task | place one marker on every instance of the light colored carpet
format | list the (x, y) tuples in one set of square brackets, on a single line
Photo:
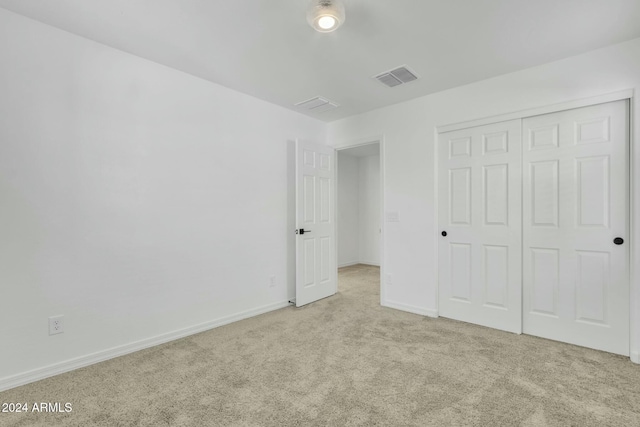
[(345, 361)]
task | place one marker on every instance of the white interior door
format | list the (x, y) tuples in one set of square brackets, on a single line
[(480, 212), (575, 202), (316, 271)]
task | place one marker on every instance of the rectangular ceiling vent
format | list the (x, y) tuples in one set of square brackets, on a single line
[(317, 105), (396, 77)]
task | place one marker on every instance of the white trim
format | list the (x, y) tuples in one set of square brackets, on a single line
[(634, 291), (411, 309), (348, 264), (373, 264), (7, 383), (436, 199), (377, 139), (569, 105), (383, 227)]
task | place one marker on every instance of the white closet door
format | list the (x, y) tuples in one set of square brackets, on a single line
[(575, 190), (480, 212)]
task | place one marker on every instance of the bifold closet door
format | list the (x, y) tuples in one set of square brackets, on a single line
[(480, 225), (575, 205)]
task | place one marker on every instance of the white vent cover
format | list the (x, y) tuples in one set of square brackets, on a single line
[(396, 77), (317, 104)]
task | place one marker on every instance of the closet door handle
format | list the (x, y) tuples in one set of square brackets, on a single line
[(444, 234), (618, 240)]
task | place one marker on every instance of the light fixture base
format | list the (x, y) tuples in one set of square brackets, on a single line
[(326, 16)]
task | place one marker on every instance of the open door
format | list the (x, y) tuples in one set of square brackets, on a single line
[(316, 272)]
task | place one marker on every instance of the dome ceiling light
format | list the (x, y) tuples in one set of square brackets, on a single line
[(325, 15)]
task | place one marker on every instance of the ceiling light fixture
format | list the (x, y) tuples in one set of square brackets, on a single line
[(325, 15)]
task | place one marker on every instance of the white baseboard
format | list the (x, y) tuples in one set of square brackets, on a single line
[(411, 308), (348, 264), (370, 263), (90, 359), (635, 357)]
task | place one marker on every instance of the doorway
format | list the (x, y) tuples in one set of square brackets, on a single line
[(359, 201)]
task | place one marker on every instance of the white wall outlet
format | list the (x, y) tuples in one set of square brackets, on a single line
[(387, 279), (56, 325), (272, 281)]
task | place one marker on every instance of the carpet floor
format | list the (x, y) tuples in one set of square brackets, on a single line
[(345, 361)]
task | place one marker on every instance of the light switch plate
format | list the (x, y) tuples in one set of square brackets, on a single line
[(392, 217)]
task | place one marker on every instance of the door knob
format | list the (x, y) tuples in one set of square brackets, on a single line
[(618, 240), (444, 234), (302, 231)]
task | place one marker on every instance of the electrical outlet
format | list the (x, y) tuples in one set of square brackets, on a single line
[(56, 325), (272, 281), (387, 279)]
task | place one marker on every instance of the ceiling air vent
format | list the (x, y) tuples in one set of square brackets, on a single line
[(317, 105), (396, 77)]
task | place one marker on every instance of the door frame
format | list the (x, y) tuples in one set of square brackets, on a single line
[(633, 196), (377, 139)]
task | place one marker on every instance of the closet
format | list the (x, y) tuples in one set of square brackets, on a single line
[(533, 217)]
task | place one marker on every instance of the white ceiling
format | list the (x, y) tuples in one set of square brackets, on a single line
[(265, 48)]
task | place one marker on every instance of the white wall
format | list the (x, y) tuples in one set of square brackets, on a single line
[(409, 132), (369, 202), (348, 210), (136, 200), (358, 209)]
